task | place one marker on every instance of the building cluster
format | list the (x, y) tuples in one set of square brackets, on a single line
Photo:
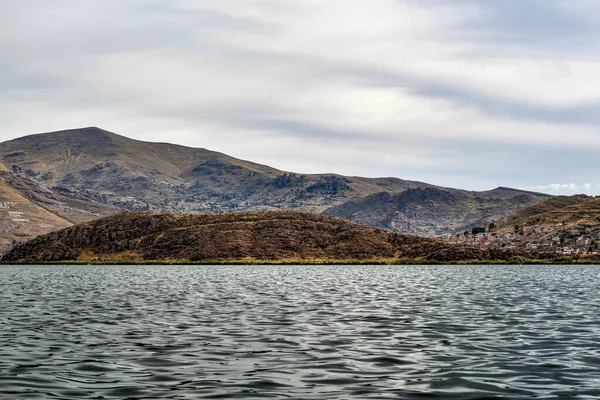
[(558, 238)]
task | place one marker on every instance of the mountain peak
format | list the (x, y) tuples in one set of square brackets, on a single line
[(66, 136), (90, 130)]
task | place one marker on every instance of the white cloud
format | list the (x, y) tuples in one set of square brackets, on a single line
[(564, 188), (419, 90)]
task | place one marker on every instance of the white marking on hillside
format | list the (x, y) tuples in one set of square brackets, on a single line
[(7, 205)]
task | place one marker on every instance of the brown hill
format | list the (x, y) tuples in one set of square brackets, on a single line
[(567, 210), (249, 236)]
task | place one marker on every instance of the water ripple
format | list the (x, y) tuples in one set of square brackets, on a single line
[(299, 332)]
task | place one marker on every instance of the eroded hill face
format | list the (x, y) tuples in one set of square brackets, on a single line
[(132, 175), (251, 236), (28, 209)]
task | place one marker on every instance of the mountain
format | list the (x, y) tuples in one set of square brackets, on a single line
[(137, 175), (432, 211), (113, 173), (288, 236)]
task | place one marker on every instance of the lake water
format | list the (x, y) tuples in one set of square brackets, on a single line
[(299, 332)]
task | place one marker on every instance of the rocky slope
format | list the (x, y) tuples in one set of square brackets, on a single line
[(139, 176), (122, 173), (579, 210), (434, 211), (273, 236)]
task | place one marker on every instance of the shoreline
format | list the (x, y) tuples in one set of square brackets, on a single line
[(306, 262)]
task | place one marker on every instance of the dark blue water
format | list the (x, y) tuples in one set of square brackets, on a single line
[(298, 332)]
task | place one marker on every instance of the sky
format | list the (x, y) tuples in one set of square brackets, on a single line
[(472, 94)]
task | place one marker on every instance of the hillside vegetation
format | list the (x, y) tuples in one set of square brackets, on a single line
[(249, 236), (578, 209)]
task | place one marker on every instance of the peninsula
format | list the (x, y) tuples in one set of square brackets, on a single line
[(249, 237)]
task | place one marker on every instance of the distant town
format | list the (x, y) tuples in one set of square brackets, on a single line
[(557, 238)]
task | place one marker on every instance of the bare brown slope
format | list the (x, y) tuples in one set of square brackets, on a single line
[(72, 151), (22, 219), (28, 209), (275, 236)]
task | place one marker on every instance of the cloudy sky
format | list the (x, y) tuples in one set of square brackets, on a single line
[(464, 93)]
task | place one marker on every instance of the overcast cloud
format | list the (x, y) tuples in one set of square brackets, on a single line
[(464, 93)]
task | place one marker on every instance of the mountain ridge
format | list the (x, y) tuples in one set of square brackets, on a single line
[(134, 175), (84, 164)]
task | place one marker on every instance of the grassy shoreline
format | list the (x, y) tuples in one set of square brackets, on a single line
[(306, 262)]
